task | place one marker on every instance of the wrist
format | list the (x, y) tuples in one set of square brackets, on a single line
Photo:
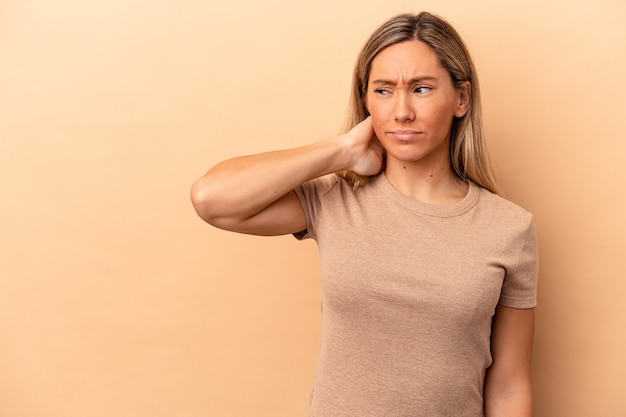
[(341, 153)]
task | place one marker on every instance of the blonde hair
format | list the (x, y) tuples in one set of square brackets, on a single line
[(468, 151)]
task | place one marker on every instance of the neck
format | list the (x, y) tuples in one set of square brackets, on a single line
[(429, 183)]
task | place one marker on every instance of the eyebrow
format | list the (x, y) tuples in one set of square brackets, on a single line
[(414, 80)]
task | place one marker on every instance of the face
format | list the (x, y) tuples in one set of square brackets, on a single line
[(412, 102)]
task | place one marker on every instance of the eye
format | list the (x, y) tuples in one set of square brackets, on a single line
[(422, 89), (381, 91)]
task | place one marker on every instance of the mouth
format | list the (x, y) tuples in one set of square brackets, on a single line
[(405, 135)]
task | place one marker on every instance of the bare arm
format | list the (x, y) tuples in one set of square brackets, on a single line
[(254, 194), (508, 386)]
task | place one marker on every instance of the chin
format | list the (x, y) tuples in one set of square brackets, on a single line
[(406, 155)]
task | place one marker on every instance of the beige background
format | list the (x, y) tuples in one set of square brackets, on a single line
[(116, 300)]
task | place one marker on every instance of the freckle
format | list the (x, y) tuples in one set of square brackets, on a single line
[(431, 175), (404, 167)]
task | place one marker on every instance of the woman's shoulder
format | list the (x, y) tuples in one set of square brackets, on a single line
[(501, 207)]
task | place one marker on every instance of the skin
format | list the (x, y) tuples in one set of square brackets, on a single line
[(412, 103), (508, 383)]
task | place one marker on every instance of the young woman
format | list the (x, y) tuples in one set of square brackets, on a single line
[(429, 277)]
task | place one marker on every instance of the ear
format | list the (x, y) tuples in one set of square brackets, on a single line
[(464, 99)]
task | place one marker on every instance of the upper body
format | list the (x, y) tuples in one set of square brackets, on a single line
[(408, 294), (415, 116)]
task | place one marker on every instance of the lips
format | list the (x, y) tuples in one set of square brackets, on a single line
[(405, 135)]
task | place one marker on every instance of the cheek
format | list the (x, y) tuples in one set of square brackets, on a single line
[(379, 132), (440, 115), (378, 117), (377, 125)]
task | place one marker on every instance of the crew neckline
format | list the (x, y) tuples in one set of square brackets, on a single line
[(435, 210)]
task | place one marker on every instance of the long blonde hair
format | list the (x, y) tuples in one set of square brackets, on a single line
[(468, 151)]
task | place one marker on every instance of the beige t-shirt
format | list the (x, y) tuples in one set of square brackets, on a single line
[(408, 293)]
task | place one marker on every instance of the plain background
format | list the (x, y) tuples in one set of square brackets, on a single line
[(116, 300)]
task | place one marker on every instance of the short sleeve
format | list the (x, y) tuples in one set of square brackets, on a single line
[(310, 195), (519, 289)]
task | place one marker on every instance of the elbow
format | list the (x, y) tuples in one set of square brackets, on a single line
[(203, 200)]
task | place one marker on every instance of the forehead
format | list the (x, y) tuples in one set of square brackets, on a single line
[(407, 59)]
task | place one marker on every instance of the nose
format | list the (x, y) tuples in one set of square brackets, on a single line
[(403, 111)]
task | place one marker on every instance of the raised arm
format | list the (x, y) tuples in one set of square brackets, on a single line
[(254, 194)]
